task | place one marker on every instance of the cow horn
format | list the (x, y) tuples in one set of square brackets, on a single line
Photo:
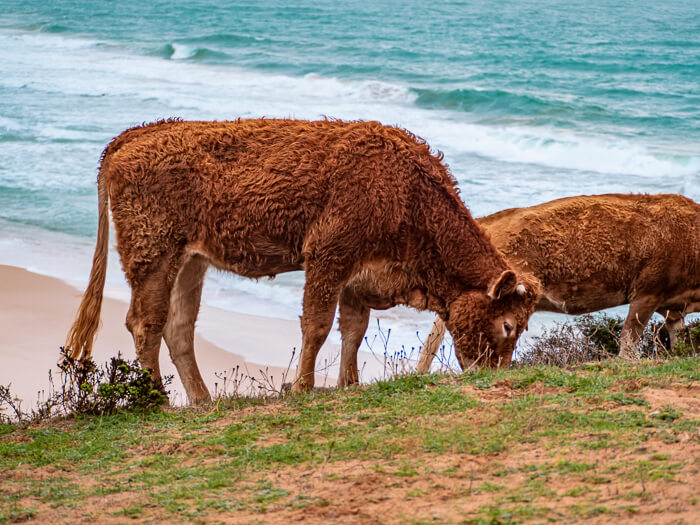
[(521, 289)]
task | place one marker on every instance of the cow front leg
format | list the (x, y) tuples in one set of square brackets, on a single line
[(354, 318), (639, 314), (321, 294), (316, 322)]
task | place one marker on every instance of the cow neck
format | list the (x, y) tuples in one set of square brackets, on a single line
[(462, 257)]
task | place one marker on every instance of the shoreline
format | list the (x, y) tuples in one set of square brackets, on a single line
[(36, 312)]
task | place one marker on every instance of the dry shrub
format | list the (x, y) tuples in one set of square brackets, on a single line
[(597, 337), (86, 388)]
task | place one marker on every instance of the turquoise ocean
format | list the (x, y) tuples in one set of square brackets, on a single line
[(529, 100)]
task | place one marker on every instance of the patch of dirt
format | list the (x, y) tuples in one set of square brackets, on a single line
[(631, 385), (504, 390), (540, 389), (488, 395), (361, 492), (685, 398)]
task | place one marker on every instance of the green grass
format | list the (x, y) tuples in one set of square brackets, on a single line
[(247, 456)]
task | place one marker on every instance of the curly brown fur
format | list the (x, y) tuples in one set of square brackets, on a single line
[(260, 197), (600, 251)]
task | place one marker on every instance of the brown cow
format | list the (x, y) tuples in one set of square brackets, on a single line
[(589, 252), (260, 197)]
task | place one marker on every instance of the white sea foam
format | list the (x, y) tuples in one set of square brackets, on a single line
[(557, 149), (181, 52), (161, 88)]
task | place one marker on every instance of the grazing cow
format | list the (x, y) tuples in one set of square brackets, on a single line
[(590, 253), (260, 197)]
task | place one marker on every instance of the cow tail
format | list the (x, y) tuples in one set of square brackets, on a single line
[(82, 334)]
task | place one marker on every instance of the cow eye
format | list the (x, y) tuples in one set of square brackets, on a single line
[(508, 329)]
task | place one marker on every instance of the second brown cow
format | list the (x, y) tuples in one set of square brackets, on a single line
[(590, 253)]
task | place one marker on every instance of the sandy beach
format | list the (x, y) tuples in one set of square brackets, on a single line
[(36, 312)]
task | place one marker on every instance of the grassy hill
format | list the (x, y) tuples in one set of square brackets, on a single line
[(598, 443)]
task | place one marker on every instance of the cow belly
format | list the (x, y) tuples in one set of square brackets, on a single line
[(686, 302), (251, 264), (580, 299)]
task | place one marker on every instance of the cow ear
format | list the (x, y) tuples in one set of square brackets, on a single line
[(503, 285)]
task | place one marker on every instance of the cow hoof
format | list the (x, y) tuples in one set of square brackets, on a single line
[(199, 400), (300, 387)]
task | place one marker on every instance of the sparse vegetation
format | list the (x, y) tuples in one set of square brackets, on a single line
[(604, 440)]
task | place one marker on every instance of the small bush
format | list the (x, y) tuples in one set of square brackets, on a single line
[(688, 340), (597, 337), (119, 384), (567, 344), (604, 332), (88, 389)]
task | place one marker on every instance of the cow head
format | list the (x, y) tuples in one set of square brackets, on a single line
[(485, 325)]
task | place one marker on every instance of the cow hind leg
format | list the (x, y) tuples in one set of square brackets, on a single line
[(178, 333), (354, 318), (320, 299), (674, 324), (639, 314), (148, 312)]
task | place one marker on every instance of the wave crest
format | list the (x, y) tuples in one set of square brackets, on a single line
[(491, 100), (176, 51)]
